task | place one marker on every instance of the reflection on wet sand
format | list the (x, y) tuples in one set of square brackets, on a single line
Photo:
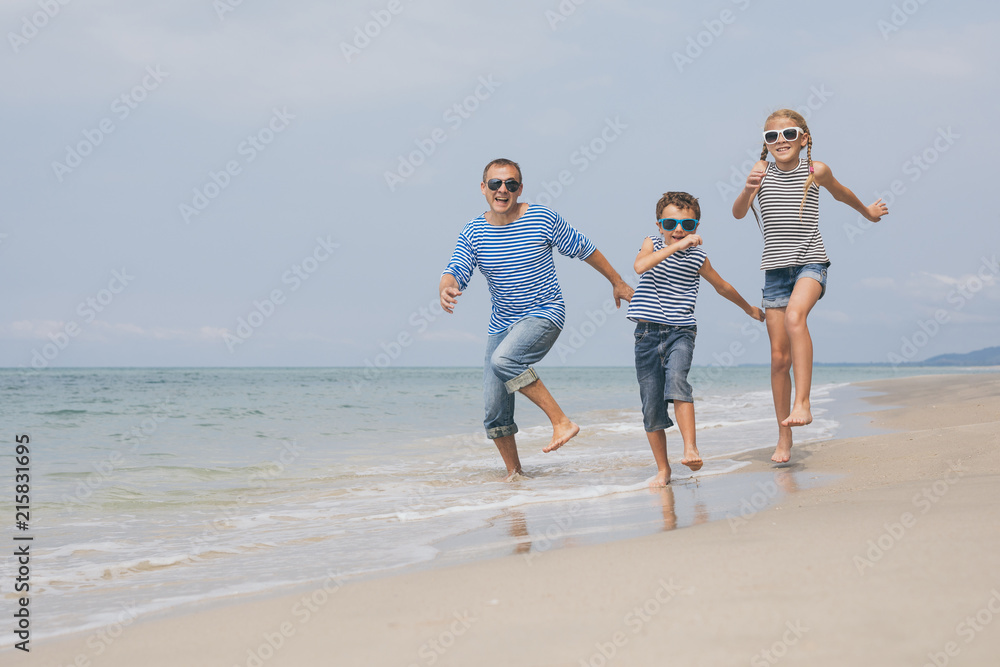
[(517, 527), (666, 494), (786, 481)]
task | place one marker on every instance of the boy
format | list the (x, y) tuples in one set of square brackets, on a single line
[(670, 266)]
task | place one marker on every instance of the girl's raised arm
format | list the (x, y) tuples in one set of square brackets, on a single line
[(843, 194), (745, 198)]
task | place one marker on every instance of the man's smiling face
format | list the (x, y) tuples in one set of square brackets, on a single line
[(501, 201)]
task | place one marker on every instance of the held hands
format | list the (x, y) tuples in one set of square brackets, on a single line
[(756, 313), (448, 298), (877, 210)]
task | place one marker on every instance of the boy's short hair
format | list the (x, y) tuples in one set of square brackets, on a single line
[(680, 200), (503, 162)]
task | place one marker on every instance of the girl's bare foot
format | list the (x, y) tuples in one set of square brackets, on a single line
[(783, 452), (800, 416), (561, 434)]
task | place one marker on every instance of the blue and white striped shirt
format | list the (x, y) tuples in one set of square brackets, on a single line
[(516, 260), (666, 294)]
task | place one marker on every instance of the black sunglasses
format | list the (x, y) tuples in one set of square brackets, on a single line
[(512, 185)]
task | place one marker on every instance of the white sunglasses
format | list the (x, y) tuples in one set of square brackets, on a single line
[(788, 134)]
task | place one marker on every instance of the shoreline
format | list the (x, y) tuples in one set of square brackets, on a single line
[(699, 580)]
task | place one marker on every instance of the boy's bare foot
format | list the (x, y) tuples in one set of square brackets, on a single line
[(783, 452), (515, 476), (800, 416), (662, 479), (692, 459), (561, 434)]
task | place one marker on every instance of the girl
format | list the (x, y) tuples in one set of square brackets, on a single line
[(794, 259)]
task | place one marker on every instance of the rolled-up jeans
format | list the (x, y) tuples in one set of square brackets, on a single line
[(509, 356)]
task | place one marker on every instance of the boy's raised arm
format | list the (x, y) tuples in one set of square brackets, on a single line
[(728, 291), (648, 258)]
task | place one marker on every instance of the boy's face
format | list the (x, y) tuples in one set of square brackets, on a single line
[(676, 234)]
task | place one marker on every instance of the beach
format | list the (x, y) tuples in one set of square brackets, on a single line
[(893, 560)]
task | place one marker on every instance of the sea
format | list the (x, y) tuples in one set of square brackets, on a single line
[(154, 489)]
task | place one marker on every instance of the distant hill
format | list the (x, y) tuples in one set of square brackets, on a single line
[(989, 356)]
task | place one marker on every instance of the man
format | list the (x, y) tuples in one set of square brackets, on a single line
[(512, 244)]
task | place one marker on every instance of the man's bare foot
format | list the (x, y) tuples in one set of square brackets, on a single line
[(800, 416), (662, 479), (561, 435), (515, 476), (692, 459), (783, 452)]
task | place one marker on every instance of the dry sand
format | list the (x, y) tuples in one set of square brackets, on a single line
[(896, 562)]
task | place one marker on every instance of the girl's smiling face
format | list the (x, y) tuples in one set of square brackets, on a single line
[(785, 152)]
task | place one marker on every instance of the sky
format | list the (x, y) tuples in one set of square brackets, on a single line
[(249, 183)]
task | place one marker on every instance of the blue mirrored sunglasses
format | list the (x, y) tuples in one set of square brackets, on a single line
[(670, 224)]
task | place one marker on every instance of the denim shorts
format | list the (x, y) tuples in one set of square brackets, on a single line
[(779, 283), (663, 356)]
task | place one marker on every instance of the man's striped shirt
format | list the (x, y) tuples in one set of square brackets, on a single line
[(790, 239), (667, 293), (516, 260)]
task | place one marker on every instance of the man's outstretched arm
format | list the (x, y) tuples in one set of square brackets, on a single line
[(621, 289), (449, 291)]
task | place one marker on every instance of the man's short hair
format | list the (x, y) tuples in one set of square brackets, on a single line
[(680, 200), (503, 162)]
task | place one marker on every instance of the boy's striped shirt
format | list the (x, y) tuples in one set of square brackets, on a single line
[(667, 293), (516, 260)]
